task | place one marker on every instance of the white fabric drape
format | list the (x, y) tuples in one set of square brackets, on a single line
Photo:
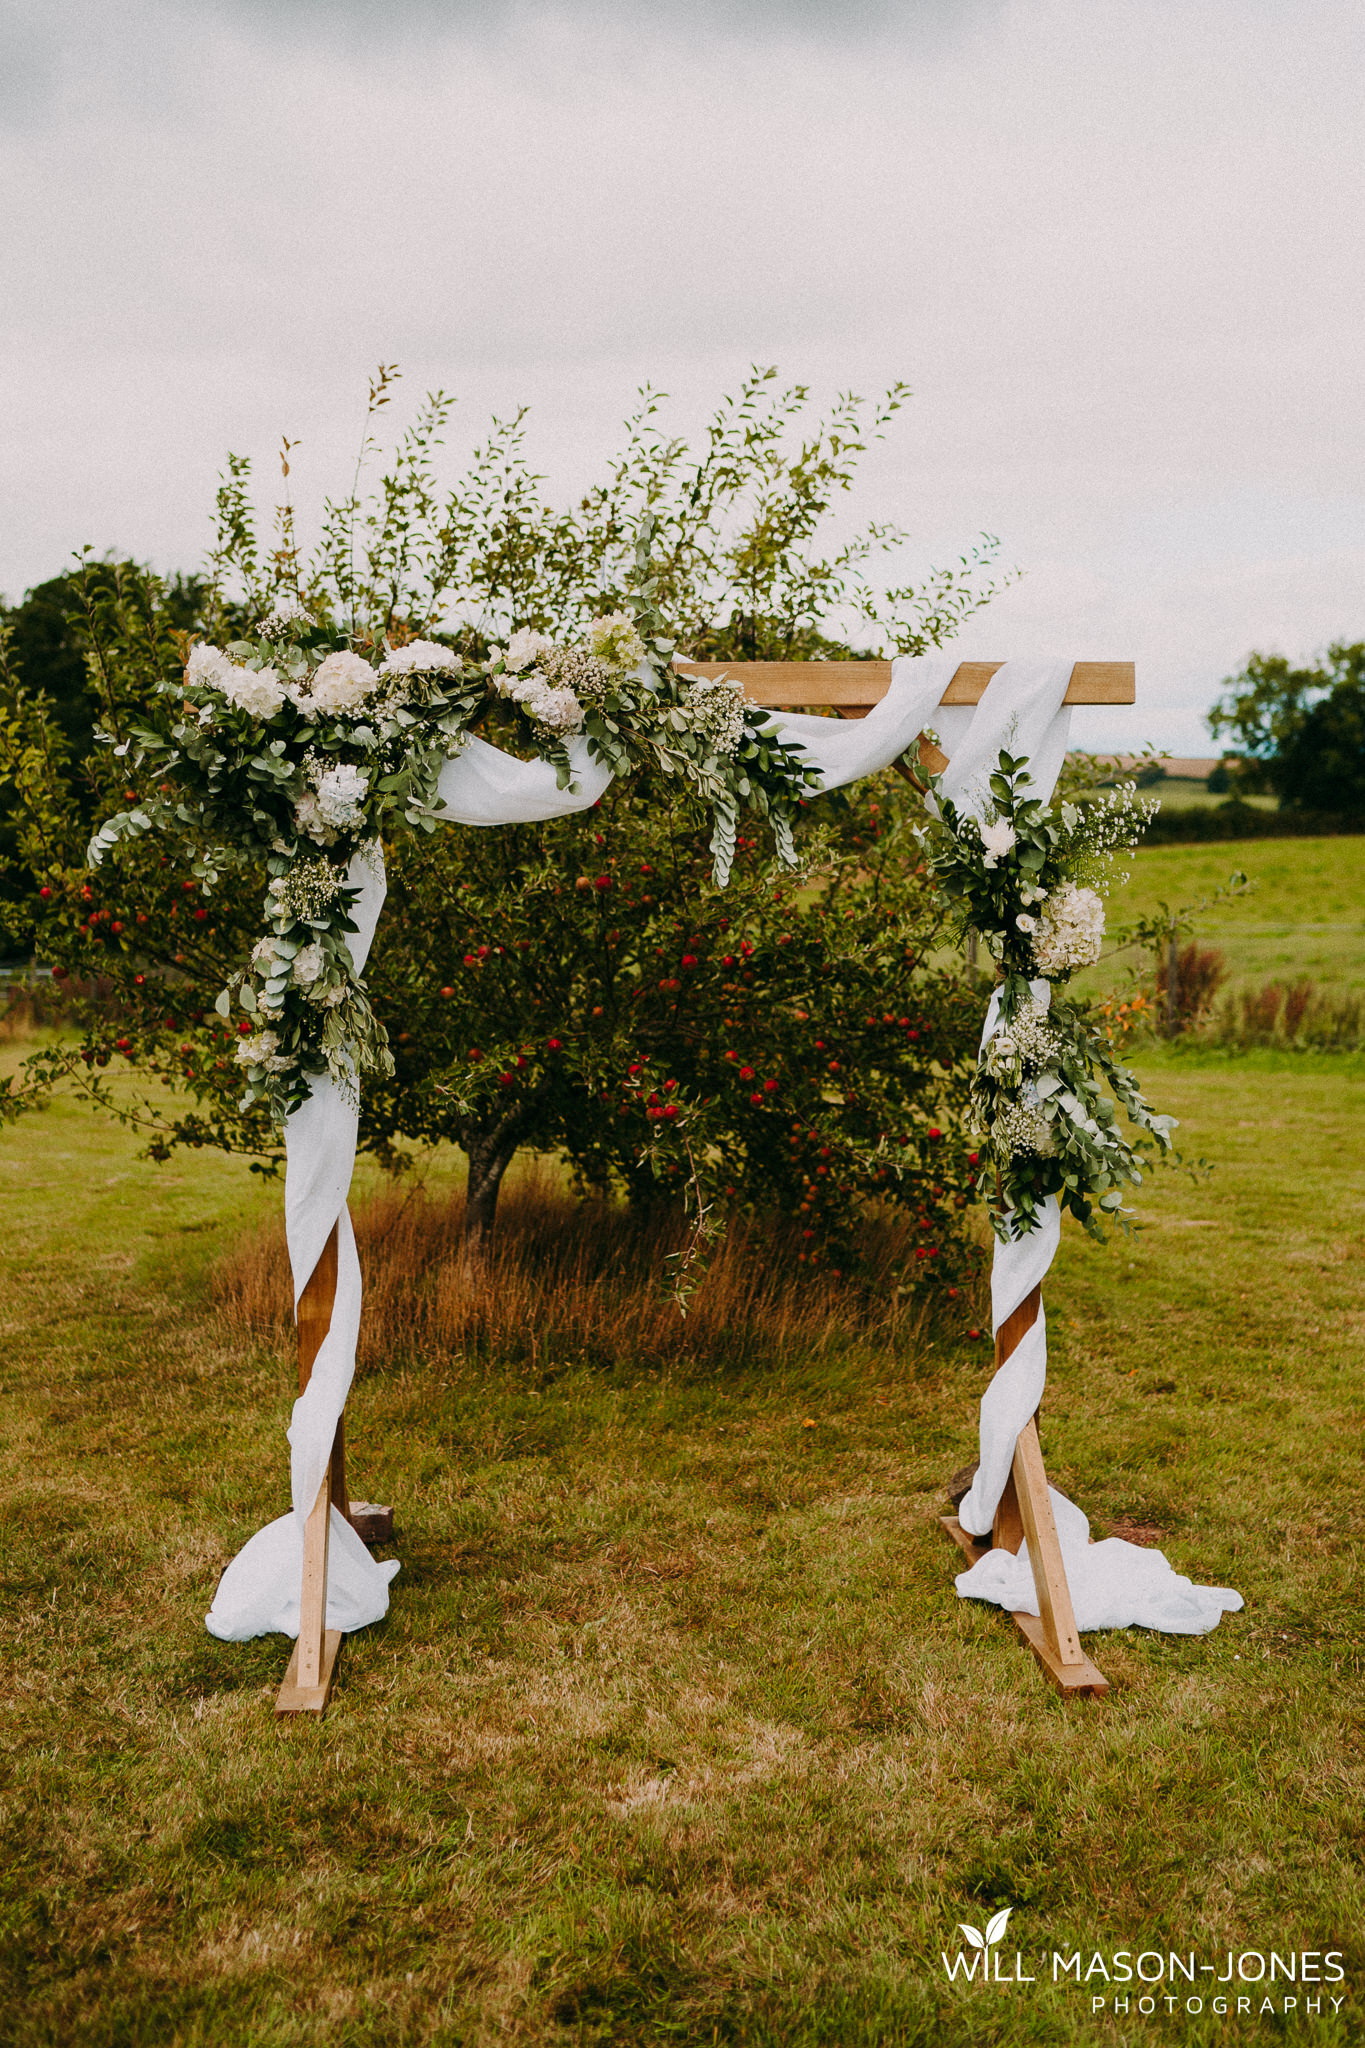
[(1113, 1584), (259, 1591)]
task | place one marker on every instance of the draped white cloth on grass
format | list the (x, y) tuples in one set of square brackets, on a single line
[(1113, 1584), (259, 1591)]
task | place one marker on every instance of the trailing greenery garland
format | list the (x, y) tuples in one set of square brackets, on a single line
[(1029, 878), (287, 750)]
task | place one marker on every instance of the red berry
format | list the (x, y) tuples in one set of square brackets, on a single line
[(670, 1110), (770, 1087), (934, 1131), (604, 882), (124, 1044), (552, 1045), (952, 1294), (116, 927), (689, 959), (188, 888), (746, 1073), (44, 893), (504, 1080), (972, 1158), (474, 1053), (245, 1027), (447, 993), (138, 980), (59, 974), (973, 1333), (756, 1099)]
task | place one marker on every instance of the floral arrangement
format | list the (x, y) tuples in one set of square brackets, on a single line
[(1030, 878), (284, 750)]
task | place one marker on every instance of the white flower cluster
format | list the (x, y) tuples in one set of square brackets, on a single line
[(616, 641), (258, 691), (1068, 932), (587, 675), (1021, 1128), (420, 657), (340, 683), (334, 803), (284, 619), (555, 711), (525, 647), (998, 838), (1035, 1041), (263, 1050), (306, 890), (716, 711), (341, 794)]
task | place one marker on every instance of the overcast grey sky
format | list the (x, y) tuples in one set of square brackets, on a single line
[(1114, 248)]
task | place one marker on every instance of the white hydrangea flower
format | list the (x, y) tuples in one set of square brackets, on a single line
[(616, 640), (998, 838), (420, 657), (524, 647), (263, 1050), (258, 691), (263, 954), (1070, 931), (341, 794), (308, 965), (206, 667), (310, 821), (339, 683), (557, 711), (1025, 922)]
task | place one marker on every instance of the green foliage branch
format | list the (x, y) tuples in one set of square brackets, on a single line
[(1049, 1087)]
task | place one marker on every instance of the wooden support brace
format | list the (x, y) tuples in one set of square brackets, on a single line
[(1024, 1515), (308, 1680)]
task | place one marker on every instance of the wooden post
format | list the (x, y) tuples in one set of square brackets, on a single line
[(308, 1680), (1024, 1515)]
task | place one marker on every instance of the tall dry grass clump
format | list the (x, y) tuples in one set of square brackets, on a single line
[(568, 1282), (1298, 1015)]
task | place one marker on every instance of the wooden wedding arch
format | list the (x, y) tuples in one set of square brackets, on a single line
[(851, 689)]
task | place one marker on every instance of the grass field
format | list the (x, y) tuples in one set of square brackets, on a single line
[(1305, 915), (676, 1730)]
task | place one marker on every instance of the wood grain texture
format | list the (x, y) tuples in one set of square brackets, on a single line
[(296, 1698), (861, 684), (317, 1535)]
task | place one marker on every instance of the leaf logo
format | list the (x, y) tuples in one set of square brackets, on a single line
[(995, 1929)]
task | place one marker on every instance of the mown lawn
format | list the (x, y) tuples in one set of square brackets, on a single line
[(676, 1730), (1305, 915)]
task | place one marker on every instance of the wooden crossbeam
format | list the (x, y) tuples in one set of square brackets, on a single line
[(836, 684)]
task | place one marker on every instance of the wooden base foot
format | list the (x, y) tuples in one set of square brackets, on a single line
[(972, 1547), (309, 1699), (371, 1523), (1083, 1678)]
